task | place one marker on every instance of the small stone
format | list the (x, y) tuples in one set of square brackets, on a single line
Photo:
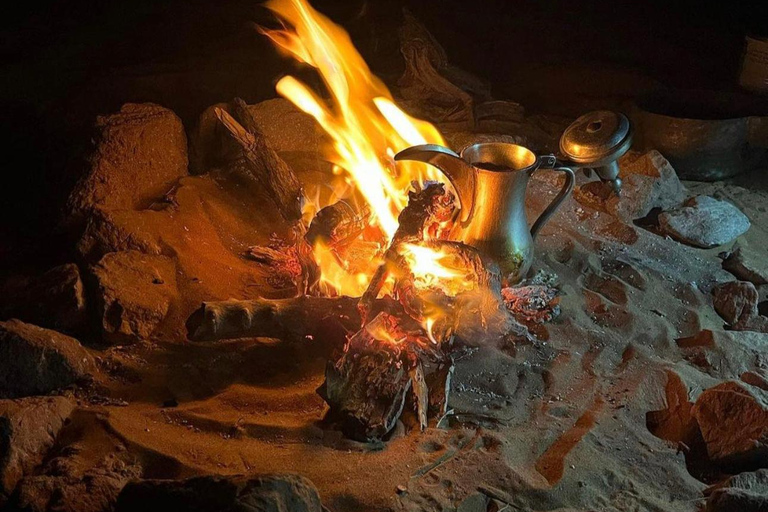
[(704, 222), (648, 181), (28, 429), (131, 303), (36, 361), (747, 265), (737, 303), (273, 493), (54, 299), (733, 418), (745, 492), (139, 153)]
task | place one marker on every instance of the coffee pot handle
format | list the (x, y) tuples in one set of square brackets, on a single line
[(549, 162)]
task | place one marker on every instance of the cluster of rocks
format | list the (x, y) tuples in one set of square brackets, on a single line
[(142, 233)]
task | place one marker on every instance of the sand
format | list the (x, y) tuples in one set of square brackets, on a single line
[(560, 424)]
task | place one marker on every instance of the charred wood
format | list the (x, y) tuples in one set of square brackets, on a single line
[(368, 388), (293, 319), (261, 161), (427, 210)]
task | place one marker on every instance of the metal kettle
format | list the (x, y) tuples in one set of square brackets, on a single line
[(490, 180)]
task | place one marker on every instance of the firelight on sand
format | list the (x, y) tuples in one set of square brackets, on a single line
[(365, 126)]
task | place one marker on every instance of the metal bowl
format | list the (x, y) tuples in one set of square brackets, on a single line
[(705, 135)]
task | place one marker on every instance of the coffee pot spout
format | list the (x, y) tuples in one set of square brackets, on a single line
[(459, 172)]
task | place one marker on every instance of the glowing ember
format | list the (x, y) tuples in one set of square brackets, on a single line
[(433, 268), (364, 125)]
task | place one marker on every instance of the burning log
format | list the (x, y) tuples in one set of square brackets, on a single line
[(291, 264), (368, 388), (338, 225), (427, 210), (261, 161), (532, 304)]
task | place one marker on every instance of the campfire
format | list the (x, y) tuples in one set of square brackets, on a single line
[(383, 236), (415, 296)]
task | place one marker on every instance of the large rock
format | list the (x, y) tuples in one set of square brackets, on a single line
[(36, 361), (705, 222), (119, 230), (54, 299), (66, 485), (745, 492), (648, 182), (273, 493), (139, 153), (747, 265), (288, 130), (28, 429), (737, 303), (135, 293), (733, 418)]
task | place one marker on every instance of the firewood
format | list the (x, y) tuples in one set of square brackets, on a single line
[(287, 319), (427, 210), (367, 389), (338, 224), (289, 265), (294, 319), (262, 162)]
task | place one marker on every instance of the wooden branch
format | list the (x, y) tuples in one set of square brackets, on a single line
[(262, 161), (426, 209), (338, 225), (288, 319), (384, 364)]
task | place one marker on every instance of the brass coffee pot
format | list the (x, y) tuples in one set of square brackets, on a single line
[(490, 180)]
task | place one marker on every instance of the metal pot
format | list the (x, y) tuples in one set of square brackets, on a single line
[(705, 135)]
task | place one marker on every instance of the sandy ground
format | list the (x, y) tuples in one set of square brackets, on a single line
[(556, 425)]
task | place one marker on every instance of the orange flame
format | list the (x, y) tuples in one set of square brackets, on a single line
[(364, 124)]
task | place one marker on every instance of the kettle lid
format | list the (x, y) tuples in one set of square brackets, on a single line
[(597, 138)]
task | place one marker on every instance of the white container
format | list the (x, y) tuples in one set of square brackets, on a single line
[(754, 68)]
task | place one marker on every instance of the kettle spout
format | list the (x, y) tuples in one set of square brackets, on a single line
[(459, 172)]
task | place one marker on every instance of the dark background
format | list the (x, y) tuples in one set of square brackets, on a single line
[(65, 62)]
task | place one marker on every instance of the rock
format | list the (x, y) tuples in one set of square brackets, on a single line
[(118, 230), (140, 152), (65, 486), (36, 361), (747, 265), (135, 293), (54, 299), (736, 302), (733, 419), (28, 429), (648, 182), (745, 492), (705, 222), (727, 354), (271, 493), (288, 130)]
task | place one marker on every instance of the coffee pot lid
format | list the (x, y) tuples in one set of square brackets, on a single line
[(597, 138)]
